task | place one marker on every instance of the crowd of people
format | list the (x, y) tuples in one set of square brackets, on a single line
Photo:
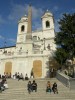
[(20, 76), (50, 88), (31, 86)]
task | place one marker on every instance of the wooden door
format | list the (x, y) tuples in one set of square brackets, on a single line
[(8, 67), (37, 68)]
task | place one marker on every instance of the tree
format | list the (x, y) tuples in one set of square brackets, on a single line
[(65, 39)]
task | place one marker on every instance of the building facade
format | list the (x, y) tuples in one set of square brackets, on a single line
[(32, 50)]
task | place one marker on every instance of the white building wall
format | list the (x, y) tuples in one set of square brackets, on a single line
[(24, 64)]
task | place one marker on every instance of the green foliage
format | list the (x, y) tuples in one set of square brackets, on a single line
[(65, 39)]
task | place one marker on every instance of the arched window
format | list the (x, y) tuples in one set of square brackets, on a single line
[(22, 28), (47, 24)]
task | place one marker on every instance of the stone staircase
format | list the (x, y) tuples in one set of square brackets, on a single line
[(18, 91)]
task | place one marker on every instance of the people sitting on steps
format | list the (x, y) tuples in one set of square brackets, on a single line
[(54, 88), (2, 84), (6, 85), (48, 87), (26, 77), (34, 86), (29, 87), (20, 77)]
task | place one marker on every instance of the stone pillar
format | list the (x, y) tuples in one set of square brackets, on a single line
[(29, 29)]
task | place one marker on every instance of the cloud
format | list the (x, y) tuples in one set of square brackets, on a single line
[(2, 21), (12, 40), (37, 12), (7, 40), (1, 37), (36, 18), (18, 11), (55, 8)]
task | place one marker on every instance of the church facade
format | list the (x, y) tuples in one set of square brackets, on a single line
[(33, 48)]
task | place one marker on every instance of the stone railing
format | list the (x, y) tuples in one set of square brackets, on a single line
[(66, 80), (72, 83), (63, 78), (22, 54)]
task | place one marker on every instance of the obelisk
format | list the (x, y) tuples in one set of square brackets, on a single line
[(29, 28)]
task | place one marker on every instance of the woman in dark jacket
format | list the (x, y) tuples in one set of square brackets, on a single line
[(54, 88), (29, 87)]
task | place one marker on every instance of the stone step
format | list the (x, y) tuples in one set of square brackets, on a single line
[(18, 91)]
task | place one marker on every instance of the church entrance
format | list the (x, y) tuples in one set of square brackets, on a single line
[(37, 68), (8, 67)]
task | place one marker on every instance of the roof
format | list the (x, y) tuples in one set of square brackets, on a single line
[(47, 14), (24, 18)]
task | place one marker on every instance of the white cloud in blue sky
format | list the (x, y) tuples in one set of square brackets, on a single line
[(1, 37), (12, 40), (55, 8), (18, 11)]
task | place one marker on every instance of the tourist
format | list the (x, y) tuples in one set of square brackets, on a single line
[(48, 87), (34, 86), (15, 75), (6, 85), (2, 87), (18, 75), (21, 77), (32, 74), (26, 77), (29, 87), (54, 88)]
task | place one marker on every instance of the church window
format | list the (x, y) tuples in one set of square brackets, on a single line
[(47, 24), (22, 28)]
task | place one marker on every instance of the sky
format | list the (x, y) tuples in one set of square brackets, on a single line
[(12, 10)]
